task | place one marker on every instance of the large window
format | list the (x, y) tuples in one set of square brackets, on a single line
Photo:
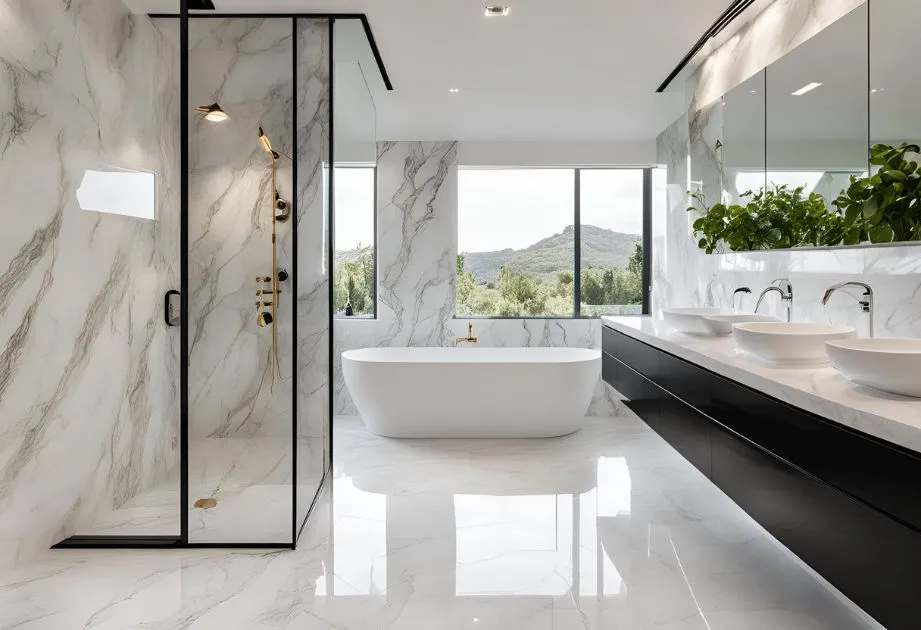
[(355, 271), (531, 240)]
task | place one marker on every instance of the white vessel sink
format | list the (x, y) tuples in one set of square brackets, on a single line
[(889, 365), (721, 325), (796, 344), (691, 320)]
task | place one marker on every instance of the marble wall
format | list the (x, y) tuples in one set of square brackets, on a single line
[(88, 367), (246, 65), (684, 275), (417, 267)]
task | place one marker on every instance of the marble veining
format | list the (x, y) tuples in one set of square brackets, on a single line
[(417, 267), (246, 66), (822, 391), (88, 379), (606, 528)]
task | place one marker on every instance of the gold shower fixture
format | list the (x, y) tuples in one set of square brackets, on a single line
[(281, 209), (271, 296)]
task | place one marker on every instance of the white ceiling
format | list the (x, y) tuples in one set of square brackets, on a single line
[(552, 70)]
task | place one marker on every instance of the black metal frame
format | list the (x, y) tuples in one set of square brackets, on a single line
[(181, 541), (332, 17), (577, 248)]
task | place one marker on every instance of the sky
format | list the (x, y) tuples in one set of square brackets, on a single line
[(515, 208), (354, 190), (506, 208)]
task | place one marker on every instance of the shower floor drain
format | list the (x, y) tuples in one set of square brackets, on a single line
[(206, 504)]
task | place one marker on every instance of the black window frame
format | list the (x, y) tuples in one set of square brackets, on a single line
[(646, 239), (333, 263)]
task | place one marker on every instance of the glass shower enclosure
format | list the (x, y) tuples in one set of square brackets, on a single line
[(257, 112)]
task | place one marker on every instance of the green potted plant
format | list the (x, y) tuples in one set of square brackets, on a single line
[(884, 207), (773, 218)]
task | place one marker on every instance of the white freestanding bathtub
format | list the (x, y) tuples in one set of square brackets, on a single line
[(472, 392)]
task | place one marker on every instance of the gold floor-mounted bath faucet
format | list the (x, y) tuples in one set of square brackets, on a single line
[(469, 338)]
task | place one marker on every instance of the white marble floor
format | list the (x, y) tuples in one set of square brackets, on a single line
[(250, 478), (607, 528)]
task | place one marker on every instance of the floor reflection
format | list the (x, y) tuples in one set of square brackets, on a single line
[(607, 528)]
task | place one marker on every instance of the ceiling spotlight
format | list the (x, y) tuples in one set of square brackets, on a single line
[(875, 90), (497, 11), (806, 88), (453, 90), (754, 91), (213, 112)]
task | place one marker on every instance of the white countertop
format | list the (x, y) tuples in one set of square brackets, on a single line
[(822, 391)]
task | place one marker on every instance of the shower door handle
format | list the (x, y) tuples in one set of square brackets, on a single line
[(172, 308)]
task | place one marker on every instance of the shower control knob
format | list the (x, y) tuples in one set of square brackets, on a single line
[(282, 275)]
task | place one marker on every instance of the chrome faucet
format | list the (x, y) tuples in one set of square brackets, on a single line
[(785, 289), (738, 291), (865, 301)]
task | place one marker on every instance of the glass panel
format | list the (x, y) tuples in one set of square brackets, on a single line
[(241, 372), (611, 209), (313, 307), (355, 292), (108, 258), (515, 238)]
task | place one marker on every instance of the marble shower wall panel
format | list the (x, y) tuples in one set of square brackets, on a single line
[(417, 268), (89, 370), (246, 65), (688, 277), (313, 307)]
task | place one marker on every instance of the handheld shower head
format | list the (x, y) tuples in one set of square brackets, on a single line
[(267, 144)]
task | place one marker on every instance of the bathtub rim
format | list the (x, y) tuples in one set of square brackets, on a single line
[(442, 355)]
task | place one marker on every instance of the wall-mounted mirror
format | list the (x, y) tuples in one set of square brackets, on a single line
[(826, 139), (817, 120), (743, 144)]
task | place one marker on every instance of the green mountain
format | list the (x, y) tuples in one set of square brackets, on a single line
[(601, 248)]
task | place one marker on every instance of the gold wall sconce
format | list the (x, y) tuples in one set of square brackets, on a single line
[(213, 112)]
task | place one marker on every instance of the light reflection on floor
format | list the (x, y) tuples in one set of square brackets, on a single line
[(607, 528)]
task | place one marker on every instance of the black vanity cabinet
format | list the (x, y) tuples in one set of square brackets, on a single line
[(848, 504)]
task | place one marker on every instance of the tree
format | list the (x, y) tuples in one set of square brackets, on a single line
[(635, 264), (354, 279), (466, 281), (592, 289)]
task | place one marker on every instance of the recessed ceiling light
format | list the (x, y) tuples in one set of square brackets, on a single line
[(806, 88), (875, 90), (497, 11), (754, 91), (453, 90)]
